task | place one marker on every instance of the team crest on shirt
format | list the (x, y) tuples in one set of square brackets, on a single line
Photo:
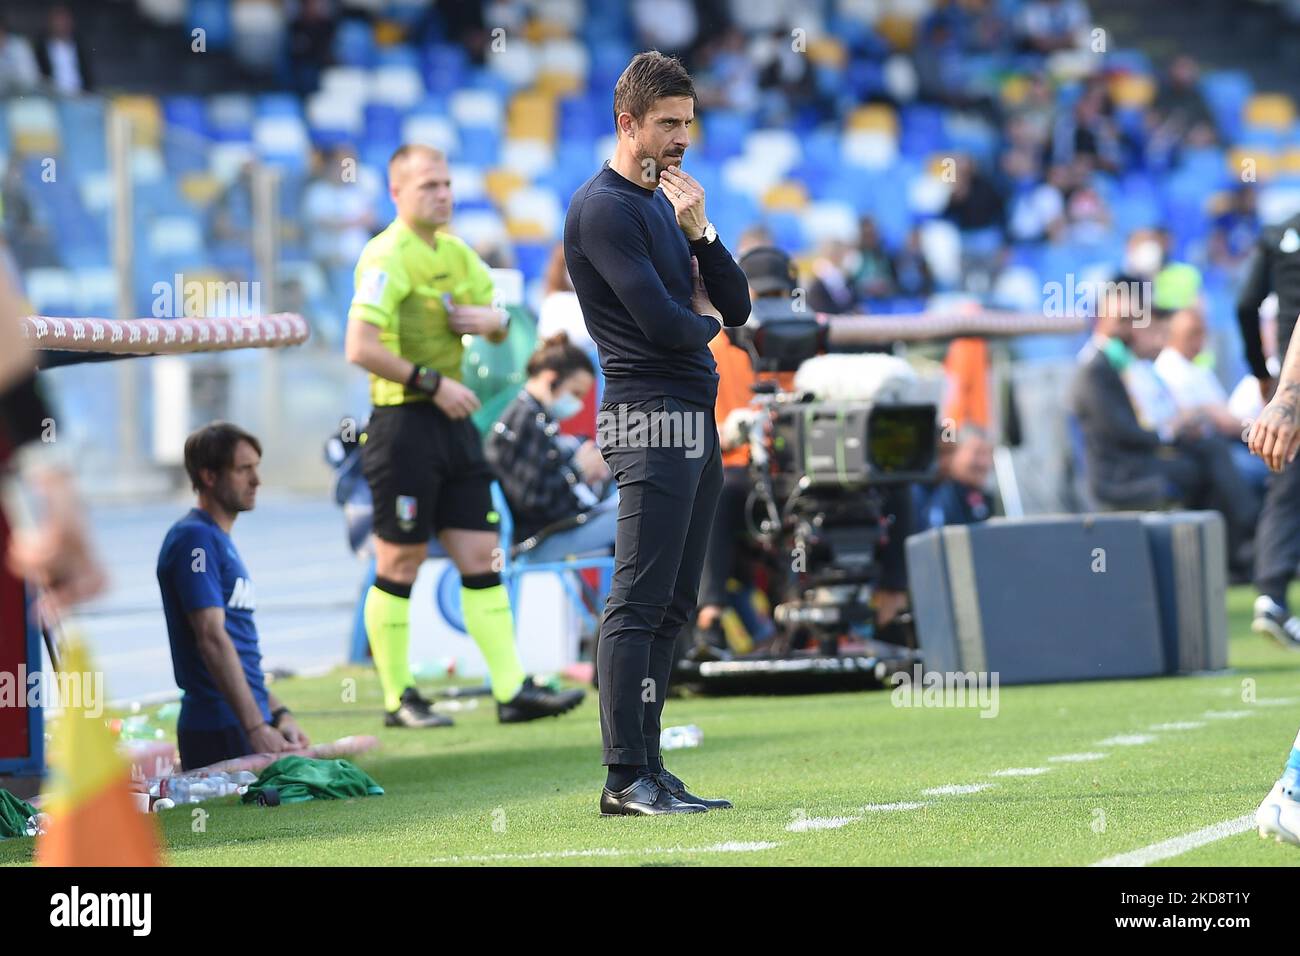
[(406, 512)]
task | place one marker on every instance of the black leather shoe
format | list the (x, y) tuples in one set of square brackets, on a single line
[(678, 790), (710, 644), (415, 711), (644, 798), (533, 702)]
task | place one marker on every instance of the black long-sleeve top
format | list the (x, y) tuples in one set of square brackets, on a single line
[(1274, 267), (630, 264)]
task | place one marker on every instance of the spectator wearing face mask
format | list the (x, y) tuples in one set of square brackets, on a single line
[(558, 489)]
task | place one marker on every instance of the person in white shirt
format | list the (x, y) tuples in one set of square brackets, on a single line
[(1196, 389), (560, 311), (18, 73)]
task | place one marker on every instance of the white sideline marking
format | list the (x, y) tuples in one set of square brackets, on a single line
[(1127, 740), (955, 788), (821, 823), (608, 851), (1021, 772), (1227, 714), (887, 807), (1179, 725), (1181, 844), (1077, 758), (1278, 702)]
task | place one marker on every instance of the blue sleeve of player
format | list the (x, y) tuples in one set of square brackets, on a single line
[(196, 570)]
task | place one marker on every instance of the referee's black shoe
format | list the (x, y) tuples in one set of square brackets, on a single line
[(415, 711), (532, 702), (645, 797), (678, 789)]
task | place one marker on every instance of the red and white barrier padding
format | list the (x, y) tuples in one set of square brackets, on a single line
[(850, 330), (164, 336)]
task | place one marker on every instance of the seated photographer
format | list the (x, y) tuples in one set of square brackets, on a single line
[(557, 488), (1133, 461), (957, 496)]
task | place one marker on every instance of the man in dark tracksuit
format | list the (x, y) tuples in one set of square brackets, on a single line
[(1274, 267), (655, 285)]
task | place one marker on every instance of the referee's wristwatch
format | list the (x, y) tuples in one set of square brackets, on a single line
[(708, 238)]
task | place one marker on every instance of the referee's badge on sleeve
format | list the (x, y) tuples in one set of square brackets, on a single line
[(370, 288), (406, 512)]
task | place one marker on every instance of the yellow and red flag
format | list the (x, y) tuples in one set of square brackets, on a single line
[(93, 819)]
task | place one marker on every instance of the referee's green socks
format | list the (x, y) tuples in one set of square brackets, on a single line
[(387, 615), (486, 607)]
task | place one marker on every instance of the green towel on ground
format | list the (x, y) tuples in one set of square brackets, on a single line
[(13, 815), (302, 778)]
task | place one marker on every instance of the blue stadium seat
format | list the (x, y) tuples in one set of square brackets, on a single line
[(354, 44), (213, 18)]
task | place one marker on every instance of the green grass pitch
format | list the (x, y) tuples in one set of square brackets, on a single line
[(809, 776)]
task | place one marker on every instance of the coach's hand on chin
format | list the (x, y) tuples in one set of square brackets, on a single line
[(687, 197)]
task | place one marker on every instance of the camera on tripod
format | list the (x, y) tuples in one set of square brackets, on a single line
[(824, 457)]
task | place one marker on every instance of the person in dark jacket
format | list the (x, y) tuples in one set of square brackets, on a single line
[(1274, 266), (655, 284), (555, 486), (1129, 465)]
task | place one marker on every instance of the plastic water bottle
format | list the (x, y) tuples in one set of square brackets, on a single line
[(675, 738)]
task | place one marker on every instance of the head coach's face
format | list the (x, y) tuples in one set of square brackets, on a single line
[(419, 183), (221, 460), (654, 107)]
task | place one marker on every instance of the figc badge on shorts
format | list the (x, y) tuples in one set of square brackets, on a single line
[(406, 512)]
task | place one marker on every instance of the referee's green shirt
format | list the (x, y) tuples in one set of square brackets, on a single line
[(400, 281)]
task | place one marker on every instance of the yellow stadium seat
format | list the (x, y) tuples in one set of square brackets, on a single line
[(1132, 90), (1290, 161), (559, 84), (827, 51), (1272, 110), (146, 117), (200, 189), (898, 31), (525, 230), (1251, 161), (531, 115), (389, 33), (787, 196), (876, 117), (36, 142), (1014, 90), (500, 183)]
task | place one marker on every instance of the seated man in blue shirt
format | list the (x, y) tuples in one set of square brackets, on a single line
[(207, 595)]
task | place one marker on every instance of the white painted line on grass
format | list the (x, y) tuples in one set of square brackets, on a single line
[(1278, 702), (1179, 725), (1077, 758), (1228, 714), (820, 823), (953, 789), (1021, 772), (888, 807), (1127, 740), (1181, 844), (607, 852)]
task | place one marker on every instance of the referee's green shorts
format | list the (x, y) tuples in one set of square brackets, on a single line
[(426, 473)]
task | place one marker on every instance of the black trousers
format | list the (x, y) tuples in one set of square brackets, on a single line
[(728, 530), (1207, 478), (669, 475), (203, 748), (1277, 540)]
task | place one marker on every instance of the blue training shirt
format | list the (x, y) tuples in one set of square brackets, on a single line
[(198, 567)]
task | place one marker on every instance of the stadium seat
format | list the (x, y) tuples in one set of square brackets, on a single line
[(396, 85), (869, 149), (476, 108), (175, 236), (537, 206), (530, 158), (435, 131), (230, 117), (51, 291), (282, 140), (1270, 110), (354, 44)]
